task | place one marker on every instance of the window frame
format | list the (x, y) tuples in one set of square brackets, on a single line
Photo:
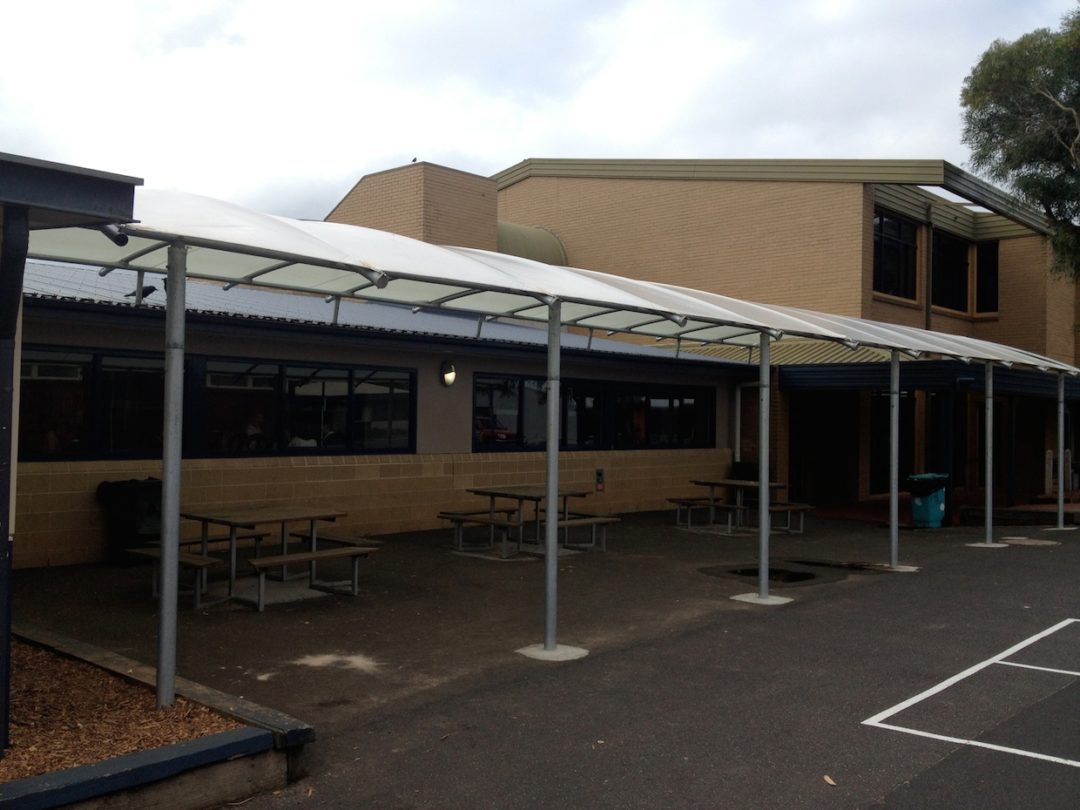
[(607, 395), (908, 249), (196, 442)]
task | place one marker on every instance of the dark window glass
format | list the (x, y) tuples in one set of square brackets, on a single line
[(894, 255), (631, 411), (240, 412), (986, 277), (132, 402), (950, 272), (316, 407), (84, 405), (496, 407), (583, 422), (58, 386), (509, 413), (382, 405), (533, 415)]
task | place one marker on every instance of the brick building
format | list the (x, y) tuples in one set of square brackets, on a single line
[(354, 412), (919, 243)]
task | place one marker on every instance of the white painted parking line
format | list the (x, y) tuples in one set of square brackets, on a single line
[(1040, 669), (878, 720), (977, 744)]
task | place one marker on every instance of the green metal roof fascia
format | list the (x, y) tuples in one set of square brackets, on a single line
[(994, 226), (907, 172), (982, 193), (878, 172), (911, 202), (908, 201), (956, 219)]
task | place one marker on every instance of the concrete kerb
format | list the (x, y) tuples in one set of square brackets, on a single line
[(276, 738)]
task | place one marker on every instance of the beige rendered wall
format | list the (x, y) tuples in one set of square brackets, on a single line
[(426, 202), (784, 243)]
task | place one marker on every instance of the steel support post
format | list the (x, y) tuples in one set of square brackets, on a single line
[(170, 477), (764, 374), (14, 243), (551, 527), (989, 452), (1061, 471), (894, 459)]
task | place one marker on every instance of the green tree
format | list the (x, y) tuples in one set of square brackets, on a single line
[(1022, 121)]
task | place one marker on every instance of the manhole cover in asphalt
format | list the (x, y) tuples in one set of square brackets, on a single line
[(782, 575)]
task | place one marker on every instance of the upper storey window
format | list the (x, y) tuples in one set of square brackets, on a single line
[(894, 255), (951, 272), (961, 284)]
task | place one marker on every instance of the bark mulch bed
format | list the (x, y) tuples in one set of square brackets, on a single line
[(66, 713)]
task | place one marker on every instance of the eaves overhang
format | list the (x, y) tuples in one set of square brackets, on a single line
[(939, 173), (57, 195)]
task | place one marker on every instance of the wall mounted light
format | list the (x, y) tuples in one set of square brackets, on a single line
[(447, 373)]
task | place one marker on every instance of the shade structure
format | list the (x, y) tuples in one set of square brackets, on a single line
[(197, 237), (234, 245)]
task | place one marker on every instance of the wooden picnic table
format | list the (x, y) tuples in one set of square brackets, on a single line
[(531, 493), (739, 485), (237, 519)]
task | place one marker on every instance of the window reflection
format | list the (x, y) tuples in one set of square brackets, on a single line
[(510, 413), (58, 383), (87, 405)]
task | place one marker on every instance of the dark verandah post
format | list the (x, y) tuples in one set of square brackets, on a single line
[(14, 242)]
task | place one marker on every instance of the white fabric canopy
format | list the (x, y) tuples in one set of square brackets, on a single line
[(190, 236), (233, 245)]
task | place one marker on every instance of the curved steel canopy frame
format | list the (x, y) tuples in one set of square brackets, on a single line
[(188, 236)]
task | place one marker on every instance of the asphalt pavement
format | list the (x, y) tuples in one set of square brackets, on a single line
[(686, 699)]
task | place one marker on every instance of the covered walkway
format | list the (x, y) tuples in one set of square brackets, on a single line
[(184, 236)]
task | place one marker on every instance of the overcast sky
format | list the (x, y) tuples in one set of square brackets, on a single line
[(283, 106)]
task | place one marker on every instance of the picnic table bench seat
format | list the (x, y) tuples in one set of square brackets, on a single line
[(334, 538), (262, 564), (503, 519), (688, 504), (789, 509), (598, 524), (257, 536), (196, 563)]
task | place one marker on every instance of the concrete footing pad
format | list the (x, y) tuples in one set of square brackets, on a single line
[(755, 599), (562, 652), (897, 569), (987, 545), (1061, 528)]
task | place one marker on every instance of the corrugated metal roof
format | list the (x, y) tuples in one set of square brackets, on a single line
[(795, 351), (63, 282)]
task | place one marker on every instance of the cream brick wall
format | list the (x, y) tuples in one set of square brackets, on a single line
[(388, 201), (801, 244), (782, 243), (1023, 289), (58, 521), (426, 202)]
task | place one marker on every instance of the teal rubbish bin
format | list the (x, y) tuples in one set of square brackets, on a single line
[(927, 499)]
